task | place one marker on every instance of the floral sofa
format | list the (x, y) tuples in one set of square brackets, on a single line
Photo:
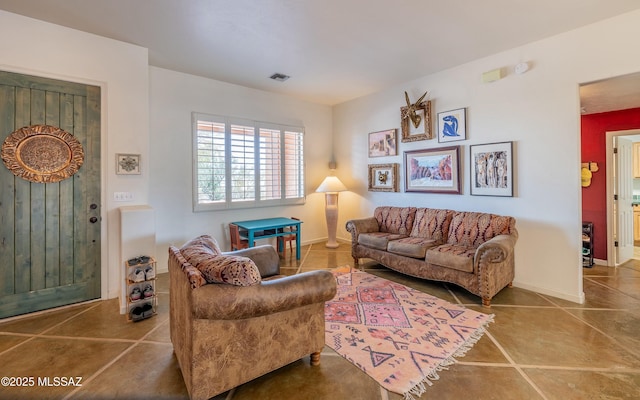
[(233, 317), (470, 249)]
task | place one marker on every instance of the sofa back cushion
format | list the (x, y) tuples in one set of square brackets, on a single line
[(471, 229), (432, 224), (395, 219)]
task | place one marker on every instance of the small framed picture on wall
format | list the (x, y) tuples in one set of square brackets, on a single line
[(452, 125)]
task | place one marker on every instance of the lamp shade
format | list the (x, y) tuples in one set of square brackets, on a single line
[(331, 184)]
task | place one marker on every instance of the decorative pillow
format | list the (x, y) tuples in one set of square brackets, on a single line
[(195, 277), (200, 249), (234, 270)]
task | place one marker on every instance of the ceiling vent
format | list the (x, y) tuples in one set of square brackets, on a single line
[(279, 77)]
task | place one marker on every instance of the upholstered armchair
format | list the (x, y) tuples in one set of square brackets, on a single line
[(226, 334)]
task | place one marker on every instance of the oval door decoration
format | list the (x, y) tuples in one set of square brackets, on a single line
[(42, 153)]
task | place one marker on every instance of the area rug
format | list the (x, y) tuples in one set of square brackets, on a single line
[(397, 335)]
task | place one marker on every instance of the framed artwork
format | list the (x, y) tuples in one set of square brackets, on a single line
[(433, 170), (383, 143), (128, 164), (452, 125), (416, 122), (492, 169), (383, 177)]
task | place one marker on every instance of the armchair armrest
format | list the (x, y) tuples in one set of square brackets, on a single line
[(363, 225), (265, 257), (219, 301)]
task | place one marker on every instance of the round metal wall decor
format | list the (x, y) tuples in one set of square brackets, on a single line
[(42, 153)]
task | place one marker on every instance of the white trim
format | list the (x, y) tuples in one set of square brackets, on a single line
[(574, 299), (611, 258)]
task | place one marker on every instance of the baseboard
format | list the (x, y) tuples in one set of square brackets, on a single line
[(579, 299)]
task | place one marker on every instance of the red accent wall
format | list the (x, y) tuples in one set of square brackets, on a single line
[(593, 135)]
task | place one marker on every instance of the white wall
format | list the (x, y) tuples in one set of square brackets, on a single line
[(538, 111), (37, 48), (173, 97)]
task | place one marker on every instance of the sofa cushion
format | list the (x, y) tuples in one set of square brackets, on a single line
[(378, 240), (415, 247), (234, 270), (452, 256), (395, 219), (431, 223), (471, 229)]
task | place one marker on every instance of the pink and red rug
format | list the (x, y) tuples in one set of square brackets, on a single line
[(399, 336)]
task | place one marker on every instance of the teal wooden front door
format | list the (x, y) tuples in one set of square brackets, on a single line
[(49, 232)]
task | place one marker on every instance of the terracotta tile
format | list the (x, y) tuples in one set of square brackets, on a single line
[(551, 336), (147, 371), (586, 385), (9, 341), (480, 382), (623, 326), (105, 321), (50, 358), (599, 295), (42, 321), (627, 285), (335, 378)]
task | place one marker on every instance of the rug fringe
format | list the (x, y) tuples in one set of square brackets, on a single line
[(421, 387)]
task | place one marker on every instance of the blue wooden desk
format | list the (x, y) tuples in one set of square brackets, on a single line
[(270, 227)]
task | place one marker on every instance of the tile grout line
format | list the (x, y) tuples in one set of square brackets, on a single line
[(611, 288), (515, 365), (114, 360), (42, 334)]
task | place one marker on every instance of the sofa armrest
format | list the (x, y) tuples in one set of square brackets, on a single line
[(227, 302), (363, 225), (496, 249), (265, 257)]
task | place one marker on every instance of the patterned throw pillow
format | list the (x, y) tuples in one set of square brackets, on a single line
[(233, 270), (204, 254)]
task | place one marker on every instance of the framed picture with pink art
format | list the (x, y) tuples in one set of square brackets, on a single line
[(433, 170), (383, 143)]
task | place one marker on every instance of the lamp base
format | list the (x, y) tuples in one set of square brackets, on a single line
[(332, 245)]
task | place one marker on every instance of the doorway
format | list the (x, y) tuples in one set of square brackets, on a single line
[(49, 231), (622, 169), (608, 104)]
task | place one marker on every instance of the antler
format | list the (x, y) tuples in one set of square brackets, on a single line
[(406, 96), (421, 98)]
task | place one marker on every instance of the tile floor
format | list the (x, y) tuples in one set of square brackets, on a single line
[(539, 347)]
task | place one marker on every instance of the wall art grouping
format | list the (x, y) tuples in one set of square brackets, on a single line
[(438, 170)]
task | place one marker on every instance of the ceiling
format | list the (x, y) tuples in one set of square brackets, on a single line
[(334, 50)]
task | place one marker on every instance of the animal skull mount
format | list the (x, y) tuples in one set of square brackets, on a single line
[(411, 109)]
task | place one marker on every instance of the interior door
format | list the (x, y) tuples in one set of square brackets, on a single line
[(623, 206), (50, 232)]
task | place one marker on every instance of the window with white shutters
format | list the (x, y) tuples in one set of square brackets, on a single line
[(240, 163)]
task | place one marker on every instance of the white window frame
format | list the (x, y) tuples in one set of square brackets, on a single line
[(228, 202)]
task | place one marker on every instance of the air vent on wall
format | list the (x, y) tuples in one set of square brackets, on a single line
[(279, 77)]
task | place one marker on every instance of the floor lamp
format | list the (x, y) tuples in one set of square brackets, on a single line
[(331, 186)]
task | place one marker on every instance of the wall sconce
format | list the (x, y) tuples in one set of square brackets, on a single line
[(586, 173)]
